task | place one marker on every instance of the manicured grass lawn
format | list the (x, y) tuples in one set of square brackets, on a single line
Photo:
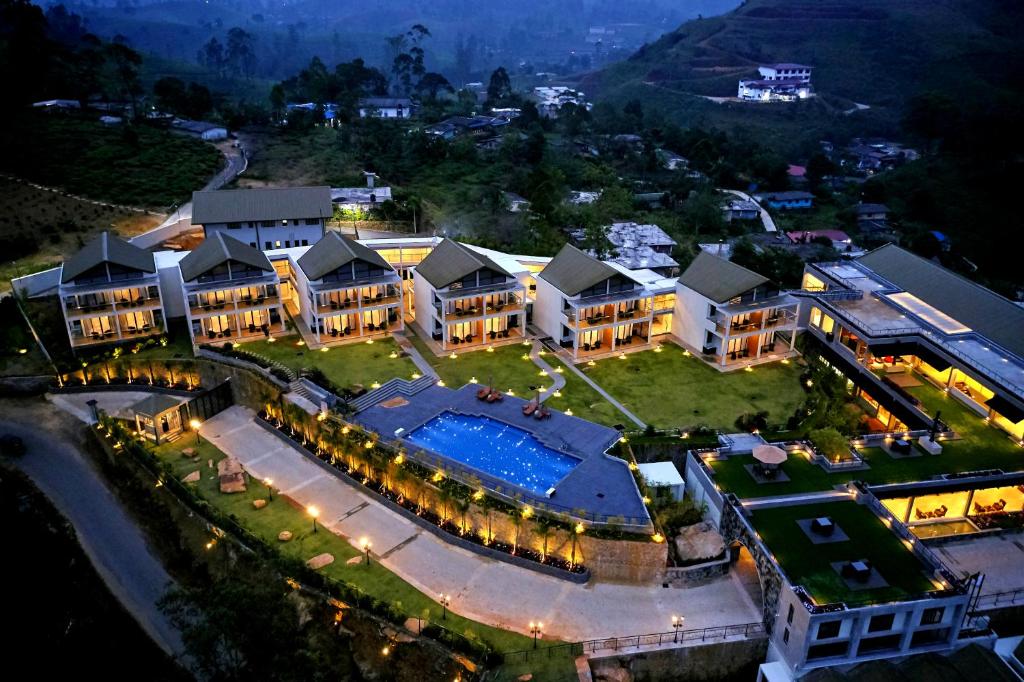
[(669, 389), (284, 514), (354, 363), (980, 446), (809, 564), (508, 370)]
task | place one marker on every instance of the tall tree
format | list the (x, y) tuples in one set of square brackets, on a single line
[(240, 53), (499, 88)]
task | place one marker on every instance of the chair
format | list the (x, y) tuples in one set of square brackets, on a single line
[(469, 338), (252, 328), (529, 408), (492, 334), (586, 346), (371, 326), (597, 344)]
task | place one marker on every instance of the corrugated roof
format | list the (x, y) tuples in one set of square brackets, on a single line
[(450, 261), (243, 205), (981, 309), (107, 248), (334, 251), (219, 248), (572, 271), (718, 279)]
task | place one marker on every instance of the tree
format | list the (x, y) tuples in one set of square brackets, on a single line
[(211, 55), (819, 167), (499, 88), (240, 53), (634, 112), (431, 84), (125, 63), (170, 93)]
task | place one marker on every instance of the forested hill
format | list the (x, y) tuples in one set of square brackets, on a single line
[(879, 52)]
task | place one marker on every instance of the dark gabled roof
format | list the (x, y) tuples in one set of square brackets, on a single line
[(385, 102), (572, 271), (871, 208), (981, 309), (790, 195), (450, 261), (718, 279), (107, 248), (155, 404), (219, 248), (334, 251), (279, 203)]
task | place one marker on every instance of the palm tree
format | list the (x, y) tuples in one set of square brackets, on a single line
[(444, 498), (486, 505), (517, 522), (542, 529), (462, 504)]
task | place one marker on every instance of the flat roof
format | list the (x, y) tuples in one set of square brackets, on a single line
[(660, 473)]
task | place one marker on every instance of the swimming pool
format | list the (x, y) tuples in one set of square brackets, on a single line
[(496, 448)]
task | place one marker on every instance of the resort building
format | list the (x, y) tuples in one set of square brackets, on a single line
[(466, 300), (778, 83), (344, 291), (900, 327), (638, 247), (231, 292), (110, 292), (590, 307), (386, 107), (265, 218), (733, 316)]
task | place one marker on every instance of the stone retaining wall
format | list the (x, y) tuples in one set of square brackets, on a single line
[(687, 576), (737, 659)]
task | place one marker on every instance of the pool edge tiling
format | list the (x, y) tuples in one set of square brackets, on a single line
[(600, 484)]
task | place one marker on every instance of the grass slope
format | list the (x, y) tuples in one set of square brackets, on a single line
[(347, 365)]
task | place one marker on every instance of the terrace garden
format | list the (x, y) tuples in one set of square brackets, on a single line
[(673, 389), (810, 564), (347, 366)]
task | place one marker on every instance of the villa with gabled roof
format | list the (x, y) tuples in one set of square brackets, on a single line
[(346, 291), (110, 292), (231, 292), (464, 299)]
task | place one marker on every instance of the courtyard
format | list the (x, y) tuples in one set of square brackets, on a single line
[(346, 366), (673, 389)]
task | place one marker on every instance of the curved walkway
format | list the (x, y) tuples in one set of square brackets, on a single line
[(483, 589), (558, 381), (766, 218), (111, 539)]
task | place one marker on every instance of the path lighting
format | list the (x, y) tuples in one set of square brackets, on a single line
[(269, 482), (445, 601), (677, 625), (535, 630), (393, 355), (526, 343), (559, 370), (440, 382), (748, 368), (364, 544), (591, 363), (527, 512), (647, 500), (622, 356), (368, 444), (556, 394), (313, 513), (369, 342), (490, 349), (568, 412), (525, 356), (453, 355), (416, 375), (375, 384), (195, 424), (324, 349), (658, 537), (657, 349), (686, 353), (300, 343), (385, 651), (473, 380), (478, 495)]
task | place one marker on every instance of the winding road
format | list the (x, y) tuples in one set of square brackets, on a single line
[(111, 539)]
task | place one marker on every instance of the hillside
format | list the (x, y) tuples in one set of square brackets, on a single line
[(878, 52)]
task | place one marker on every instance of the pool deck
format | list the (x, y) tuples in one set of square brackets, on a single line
[(600, 484)]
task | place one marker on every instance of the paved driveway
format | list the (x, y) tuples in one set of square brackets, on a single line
[(110, 538), (486, 590)]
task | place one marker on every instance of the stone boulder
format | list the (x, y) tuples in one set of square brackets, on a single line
[(699, 541), (188, 453), (611, 671), (231, 475), (192, 478), (284, 536), (259, 504), (320, 560)]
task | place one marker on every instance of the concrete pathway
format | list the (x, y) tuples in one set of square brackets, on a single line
[(786, 500), (421, 363), (766, 218), (485, 590), (108, 535), (605, 394), (558, 381)]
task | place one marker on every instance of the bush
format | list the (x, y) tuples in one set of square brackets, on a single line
[(830, 443), (752, 422), (676, 515)]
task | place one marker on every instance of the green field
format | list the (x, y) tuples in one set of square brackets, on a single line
[(809, 564), (346, 366), (669, 389)]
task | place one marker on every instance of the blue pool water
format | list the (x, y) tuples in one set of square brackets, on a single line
[(495, 448)]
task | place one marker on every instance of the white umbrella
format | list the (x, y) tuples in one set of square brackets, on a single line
[(769, 454)]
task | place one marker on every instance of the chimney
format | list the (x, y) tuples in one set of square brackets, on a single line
[(370, 177)]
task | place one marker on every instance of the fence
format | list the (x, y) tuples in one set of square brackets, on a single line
[(719, 633), (998, 600)]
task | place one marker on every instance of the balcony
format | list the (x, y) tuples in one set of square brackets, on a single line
[(258, 302), (233, 333), (74, 310)]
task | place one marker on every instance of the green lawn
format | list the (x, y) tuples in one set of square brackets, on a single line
[(284, 514), (809, 564), (980, 446), (345, 366), (507, 368), (670, 389)]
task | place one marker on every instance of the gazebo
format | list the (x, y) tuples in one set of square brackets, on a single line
[(157, 417), (770, 458)]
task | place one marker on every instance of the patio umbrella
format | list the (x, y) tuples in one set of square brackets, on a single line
[(769, 454)]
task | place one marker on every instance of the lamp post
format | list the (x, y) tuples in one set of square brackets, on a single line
[(313, 512), (677, 625), (535, 630), (446, 601), (364, 543), (269, 482), (195, 424)]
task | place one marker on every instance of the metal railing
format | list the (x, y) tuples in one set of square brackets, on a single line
[(712, 634), (998, 600)]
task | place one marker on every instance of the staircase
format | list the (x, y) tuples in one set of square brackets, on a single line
[(390, 389)]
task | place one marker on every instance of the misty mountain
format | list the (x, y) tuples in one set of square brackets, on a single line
[(469, 37)]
